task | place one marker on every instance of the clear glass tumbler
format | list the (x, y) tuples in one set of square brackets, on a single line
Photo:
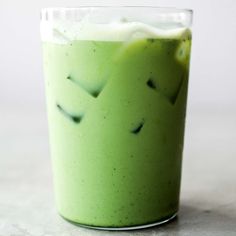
[(116, 84)]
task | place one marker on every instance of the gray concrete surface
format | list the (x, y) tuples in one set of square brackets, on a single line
[(208, 197)]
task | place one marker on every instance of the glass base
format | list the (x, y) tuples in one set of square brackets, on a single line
[(135, 227)]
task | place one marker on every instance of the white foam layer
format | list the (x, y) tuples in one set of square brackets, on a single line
[(65, 32)]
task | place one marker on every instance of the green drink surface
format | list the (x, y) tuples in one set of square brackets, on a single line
[(116, 120)]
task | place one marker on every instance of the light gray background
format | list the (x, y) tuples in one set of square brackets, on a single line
[(213, 68)]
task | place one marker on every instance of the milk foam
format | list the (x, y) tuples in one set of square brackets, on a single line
[(63, 32)]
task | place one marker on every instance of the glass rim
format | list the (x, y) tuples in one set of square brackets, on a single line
[(73, 19), (167, 10)]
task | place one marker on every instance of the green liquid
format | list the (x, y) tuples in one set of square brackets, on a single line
[(116, 119)]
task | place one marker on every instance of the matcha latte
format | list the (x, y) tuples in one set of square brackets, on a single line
[(116, 97)]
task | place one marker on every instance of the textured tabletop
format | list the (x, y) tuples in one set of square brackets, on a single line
[(208, 196)]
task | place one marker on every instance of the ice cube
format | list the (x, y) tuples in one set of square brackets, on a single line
[(75, 118), (60, 36)]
